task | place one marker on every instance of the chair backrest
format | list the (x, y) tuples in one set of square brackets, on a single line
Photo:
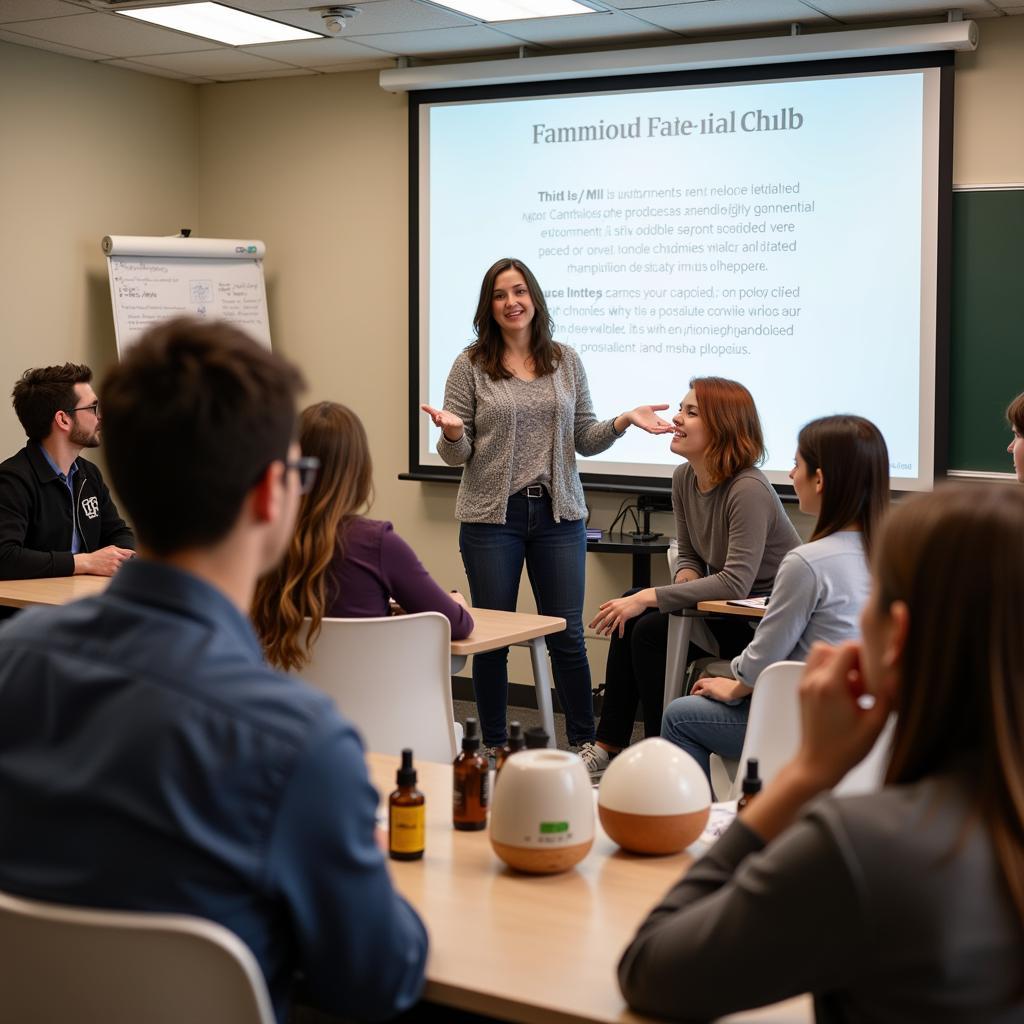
[(391, 677), (773, 725), (773, 733), (61, 965)]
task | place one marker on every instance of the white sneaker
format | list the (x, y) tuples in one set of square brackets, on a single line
[(595, 759)]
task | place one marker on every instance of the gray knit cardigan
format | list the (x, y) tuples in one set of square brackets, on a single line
[(487, 409)]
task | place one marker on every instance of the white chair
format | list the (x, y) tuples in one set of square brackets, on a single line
[(65, 964), (773, 736), (391, 677)]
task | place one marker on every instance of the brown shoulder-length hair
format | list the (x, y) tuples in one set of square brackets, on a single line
[(956, 558), (1015, 414), (735, 438), (854, 462), (489, 348), (297, 588)]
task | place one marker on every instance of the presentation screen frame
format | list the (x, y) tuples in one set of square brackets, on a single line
[(935, 267)]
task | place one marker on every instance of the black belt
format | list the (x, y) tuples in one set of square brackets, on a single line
[(533, 491)]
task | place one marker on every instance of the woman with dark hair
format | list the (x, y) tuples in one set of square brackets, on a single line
[(905, 904), (732, 534), (1015, 417), (340, 564), (840, 475), (516, 411)]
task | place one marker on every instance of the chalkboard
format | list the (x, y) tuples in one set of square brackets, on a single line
[(154, 279), (987, 325)]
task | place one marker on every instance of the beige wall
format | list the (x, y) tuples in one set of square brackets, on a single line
[(85, 151), (316, 167)]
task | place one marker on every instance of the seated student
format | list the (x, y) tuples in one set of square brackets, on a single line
[(841, 475), (149, 758), (1015, 417), (56, 515), (340, 564), (905, 904), (732, 533)]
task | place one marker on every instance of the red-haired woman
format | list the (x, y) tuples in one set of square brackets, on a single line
[(732, 534), (1015, 417)]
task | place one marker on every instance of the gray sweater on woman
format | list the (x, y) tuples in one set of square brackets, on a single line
[(485, 451)]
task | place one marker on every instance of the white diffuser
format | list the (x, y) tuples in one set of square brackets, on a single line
[(542, 812), (654, 798)]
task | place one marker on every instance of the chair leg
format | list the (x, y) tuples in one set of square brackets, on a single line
[(679, 629)]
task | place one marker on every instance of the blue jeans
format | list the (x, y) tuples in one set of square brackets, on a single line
[(555, 555), (703, 727)]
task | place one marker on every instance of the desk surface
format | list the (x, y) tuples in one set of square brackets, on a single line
[(532, 949), (623, 543), (57, 590), (724, 608)]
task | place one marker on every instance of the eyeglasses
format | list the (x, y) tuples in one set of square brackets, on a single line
[(307, 466), (93, 407)]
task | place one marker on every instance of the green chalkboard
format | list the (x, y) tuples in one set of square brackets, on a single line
[(986, 359)]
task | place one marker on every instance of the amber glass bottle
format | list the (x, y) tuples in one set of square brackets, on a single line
[(751, 784), (515, 743), (470, 783), (406, 814)]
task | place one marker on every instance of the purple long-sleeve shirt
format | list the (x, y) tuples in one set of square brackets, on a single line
[(375, 564)]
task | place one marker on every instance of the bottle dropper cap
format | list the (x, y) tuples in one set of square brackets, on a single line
[(536, 738), (751, 781), (406, 774), (515, 736), (471, 737)]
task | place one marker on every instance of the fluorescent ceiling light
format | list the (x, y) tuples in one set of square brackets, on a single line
[(513, 10), (224, 24)]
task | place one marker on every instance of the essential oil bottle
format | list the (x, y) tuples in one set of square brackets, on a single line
[(537, 738), (470, 782), (751, 784), (516, 742), (406, 814)]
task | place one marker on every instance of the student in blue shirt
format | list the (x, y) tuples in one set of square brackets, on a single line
[(149, 758)]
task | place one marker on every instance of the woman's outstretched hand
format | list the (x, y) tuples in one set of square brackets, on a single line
[(646, 418), (613, 615), (450, 424)]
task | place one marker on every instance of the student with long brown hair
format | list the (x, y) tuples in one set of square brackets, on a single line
[(902, 905), (841, 476), (341, 564), (516, 411), (1015, 417), (732, 534)]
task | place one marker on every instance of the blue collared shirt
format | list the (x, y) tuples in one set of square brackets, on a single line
[(151, 760), (69, 482)]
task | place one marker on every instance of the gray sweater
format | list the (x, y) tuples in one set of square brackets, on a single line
[(735, 536), (819, 591), (485, 450), (889, 907)]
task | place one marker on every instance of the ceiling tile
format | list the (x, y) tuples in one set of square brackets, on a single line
[(851, 11), (26, 10), (269, 7), (211, 63), (730, 15), (244, 76), (43, 44), (383, 16), (148, 69), (313, 53), (112, 35), (444, 42), (580, 29)]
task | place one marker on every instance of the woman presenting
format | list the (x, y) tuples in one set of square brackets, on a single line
[(516, 410)]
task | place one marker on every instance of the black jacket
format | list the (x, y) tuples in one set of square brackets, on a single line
[(36, 511)]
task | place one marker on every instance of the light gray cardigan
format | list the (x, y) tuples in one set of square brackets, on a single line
[(487, 409)]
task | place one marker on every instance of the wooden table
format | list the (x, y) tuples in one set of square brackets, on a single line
[(491, 629), (533, 949), (494, 629), (680, 628), (56, 590)]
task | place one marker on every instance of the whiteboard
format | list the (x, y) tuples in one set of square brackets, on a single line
[(155, 279)]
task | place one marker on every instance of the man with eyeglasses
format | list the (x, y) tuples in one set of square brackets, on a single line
[(150, 759), (56, 515)]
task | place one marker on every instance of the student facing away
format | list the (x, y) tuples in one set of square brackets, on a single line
[(149, 758)]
